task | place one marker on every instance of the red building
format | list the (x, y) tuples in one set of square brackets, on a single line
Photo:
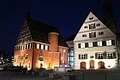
[(39, 45)]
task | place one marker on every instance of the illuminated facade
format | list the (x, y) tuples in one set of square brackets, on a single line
[(70, 44), (95, 45), (39, 45)]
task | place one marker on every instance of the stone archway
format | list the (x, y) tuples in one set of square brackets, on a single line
[(82, 65), (101, 65), (92, 63)]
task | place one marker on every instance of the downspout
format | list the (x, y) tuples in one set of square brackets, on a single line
[(32, 55)]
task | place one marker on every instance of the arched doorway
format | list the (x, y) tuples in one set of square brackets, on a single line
[(101, 65), (82, 65), (92, 63)]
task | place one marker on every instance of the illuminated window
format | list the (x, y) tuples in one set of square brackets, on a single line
[(42, 46), (90, 44), (27, 46), (99, 43), (46, 47), (64, 50), (82, 45), (40, 57), (26, 56), (109, 43), (37, 46)]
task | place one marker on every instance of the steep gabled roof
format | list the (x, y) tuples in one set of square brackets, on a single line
[(39, 31)]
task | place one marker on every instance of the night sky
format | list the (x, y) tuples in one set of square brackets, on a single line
[(66, 15)]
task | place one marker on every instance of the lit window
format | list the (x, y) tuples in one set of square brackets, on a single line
[(42, 46), (82, 45), (70, 58), (64, 50), (26, 56), (109, 43), (90, 44), (46, 47), (30, 46), (37, 46), (27, 46), (99, 43), (22, 47)]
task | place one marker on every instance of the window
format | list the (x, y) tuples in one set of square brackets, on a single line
[(100, 56), (79, 45), (85, 26), (92, 34), (84, 35), (42, 46), (103, 43), (109, 43), (92, 26), (70, 58), (99, 43), (98, 24), (79, 56), (27, 46), (94, 44), (90, 44), (46, 47), (82, 45), (113, 42), (86, 44), (38, 46), (90, 18), (114, 54), (26, 56), (101, 33), (82, 56), (109, 56)]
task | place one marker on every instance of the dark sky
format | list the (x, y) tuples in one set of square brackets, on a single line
[(66, 15)]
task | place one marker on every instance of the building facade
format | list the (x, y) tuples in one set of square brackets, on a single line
[(70, 44), (95, 45), (39, 46)]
